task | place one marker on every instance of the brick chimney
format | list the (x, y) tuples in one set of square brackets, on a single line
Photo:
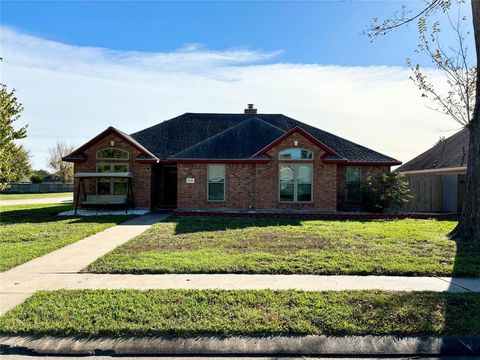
[(250, 110)]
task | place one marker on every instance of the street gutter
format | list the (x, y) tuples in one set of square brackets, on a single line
[(241, 345)]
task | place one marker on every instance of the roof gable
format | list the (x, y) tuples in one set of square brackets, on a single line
[(241, 141), (77, 155), (302, 132)]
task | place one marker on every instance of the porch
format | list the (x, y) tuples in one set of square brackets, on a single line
[(112, 189)]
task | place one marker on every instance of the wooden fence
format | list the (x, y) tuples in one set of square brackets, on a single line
[(426, 190)]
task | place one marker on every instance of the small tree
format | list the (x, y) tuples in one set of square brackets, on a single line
[(38, 176), (385, 191), (62, 169), (14, 159)]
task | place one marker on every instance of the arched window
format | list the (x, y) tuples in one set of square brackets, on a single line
[(112, 154), (295, 154)]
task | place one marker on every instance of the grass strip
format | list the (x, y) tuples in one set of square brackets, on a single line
[(244, 312)]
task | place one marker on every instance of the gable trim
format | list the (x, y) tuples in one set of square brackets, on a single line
[(304, 133), (108, 131)]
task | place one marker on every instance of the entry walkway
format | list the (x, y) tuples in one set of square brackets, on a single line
[(59, 270)]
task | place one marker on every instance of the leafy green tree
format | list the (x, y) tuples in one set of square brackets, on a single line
[(462, 102), (14, 159)]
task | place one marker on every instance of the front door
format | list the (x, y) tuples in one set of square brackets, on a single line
[(170, 186)]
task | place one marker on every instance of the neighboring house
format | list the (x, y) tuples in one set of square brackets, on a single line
[(235, 161), (437, 177)]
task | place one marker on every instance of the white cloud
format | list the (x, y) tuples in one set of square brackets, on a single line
[(72, 93)]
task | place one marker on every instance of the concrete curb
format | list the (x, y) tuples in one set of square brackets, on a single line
[(239, 345)]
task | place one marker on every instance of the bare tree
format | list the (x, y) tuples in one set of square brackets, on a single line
[(62, 169), (458, 100), (461, 102)]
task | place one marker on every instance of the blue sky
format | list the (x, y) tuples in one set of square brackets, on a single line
[(322, 32), (81, 66)]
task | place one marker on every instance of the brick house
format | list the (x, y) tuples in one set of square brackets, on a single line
[(234, 161)]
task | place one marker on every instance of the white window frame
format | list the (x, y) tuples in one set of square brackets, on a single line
[(112, 148), (288, 149), (295, 183), (224, 182)]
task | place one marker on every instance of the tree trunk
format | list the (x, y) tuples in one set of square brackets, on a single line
[(468, 227)]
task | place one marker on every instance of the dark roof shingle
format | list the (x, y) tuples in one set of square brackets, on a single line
[(173, 136), (449, 153), (241, 141)]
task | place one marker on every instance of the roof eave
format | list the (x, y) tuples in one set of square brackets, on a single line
[(73, 159), (462, 169), (222, 161), (374, 163)]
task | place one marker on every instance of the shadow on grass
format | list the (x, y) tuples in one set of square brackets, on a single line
[(193, 224), (467, 261), (42, 214)]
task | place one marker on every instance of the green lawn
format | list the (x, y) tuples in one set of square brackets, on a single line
[(29, 231), (34, 196), (284, 246), (244, 312)]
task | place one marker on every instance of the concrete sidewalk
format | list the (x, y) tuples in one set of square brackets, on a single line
[(16, 288), (59, 270), (55, 281), (49, 271), (54, 200)]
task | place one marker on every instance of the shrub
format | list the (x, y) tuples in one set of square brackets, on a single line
[(36, 179), (384, 191), (38, 176)]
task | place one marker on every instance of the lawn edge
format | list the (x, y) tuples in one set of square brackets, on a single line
[(241, 345)]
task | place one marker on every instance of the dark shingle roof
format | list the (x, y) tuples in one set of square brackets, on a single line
[(449, 153), (253, 134), (170, 137)]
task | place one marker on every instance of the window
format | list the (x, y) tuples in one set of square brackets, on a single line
[(354, 194), (112, 154), (216, 182), (111, 186), (296, 183), (103, 167), (295, 154)]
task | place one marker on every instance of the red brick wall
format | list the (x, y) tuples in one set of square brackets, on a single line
[(256, 185), (239, 186), (366, 171), (142, 181)]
